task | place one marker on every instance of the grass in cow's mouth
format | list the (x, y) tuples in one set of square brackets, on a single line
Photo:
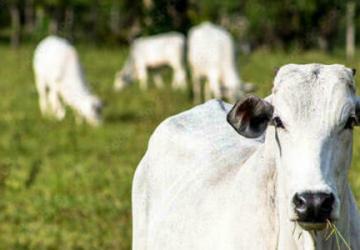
[(338, 236)]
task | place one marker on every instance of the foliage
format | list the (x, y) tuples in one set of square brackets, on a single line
[(282, 23), (166, 15)]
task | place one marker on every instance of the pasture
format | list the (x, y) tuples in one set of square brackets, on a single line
[(64, 186)]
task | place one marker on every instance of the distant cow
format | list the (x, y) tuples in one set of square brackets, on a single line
[(211, 56), (261, 175), (59, 79), (153, 52)]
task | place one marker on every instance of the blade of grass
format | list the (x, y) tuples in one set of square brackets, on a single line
[(330, 234), (337, 235)]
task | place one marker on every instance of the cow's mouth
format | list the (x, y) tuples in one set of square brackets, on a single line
[(312, 226)]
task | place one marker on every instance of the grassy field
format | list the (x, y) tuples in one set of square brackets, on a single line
[(64, 186)]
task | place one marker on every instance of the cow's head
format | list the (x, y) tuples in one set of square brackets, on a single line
[(310, 118), (91, 109)]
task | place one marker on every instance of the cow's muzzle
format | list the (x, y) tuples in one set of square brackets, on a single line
[(313, 210)]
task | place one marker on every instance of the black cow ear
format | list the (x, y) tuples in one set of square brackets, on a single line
[(353, 70), (250, 117)]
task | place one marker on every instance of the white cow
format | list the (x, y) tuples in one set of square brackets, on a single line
[(211, 56), (59, 79), (201, 185), (153, 52)]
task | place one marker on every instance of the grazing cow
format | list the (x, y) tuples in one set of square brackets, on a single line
[(59, 79), (211, 56), (153, 52), (201, 185)]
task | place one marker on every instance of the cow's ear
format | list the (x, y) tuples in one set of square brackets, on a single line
[(250, 116)]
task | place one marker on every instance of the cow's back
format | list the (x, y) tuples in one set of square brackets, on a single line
[(159, 49), (186, 155), (53, 57), (210, 46)]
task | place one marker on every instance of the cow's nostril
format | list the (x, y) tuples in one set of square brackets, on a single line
[(327, 202), (299, 202)]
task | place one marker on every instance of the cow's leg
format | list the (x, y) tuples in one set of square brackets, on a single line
[(207, 91), (56, 105), (158, 80), (179, 77), (196, 87), (43, 98), (215, 88), (233, 94), (142, 77)]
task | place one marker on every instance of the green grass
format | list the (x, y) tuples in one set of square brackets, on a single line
[(64, 186)]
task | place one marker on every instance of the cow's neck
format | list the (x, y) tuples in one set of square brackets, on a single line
[(290, 234), (343, 225)]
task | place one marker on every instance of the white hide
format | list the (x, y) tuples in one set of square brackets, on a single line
[(201, 185), (60, 80), (152, 52), (211, 56)]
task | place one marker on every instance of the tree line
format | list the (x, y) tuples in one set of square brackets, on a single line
[(279, 23)]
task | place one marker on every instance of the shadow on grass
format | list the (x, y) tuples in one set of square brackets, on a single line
[(35, 169), (127, 116)]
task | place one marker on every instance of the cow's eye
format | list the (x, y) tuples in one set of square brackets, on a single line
[(277, 122), (350, 123)]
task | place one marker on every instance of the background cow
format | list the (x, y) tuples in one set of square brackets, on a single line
[(201, 185), (153, 52), (211, 56), (59, 77)]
